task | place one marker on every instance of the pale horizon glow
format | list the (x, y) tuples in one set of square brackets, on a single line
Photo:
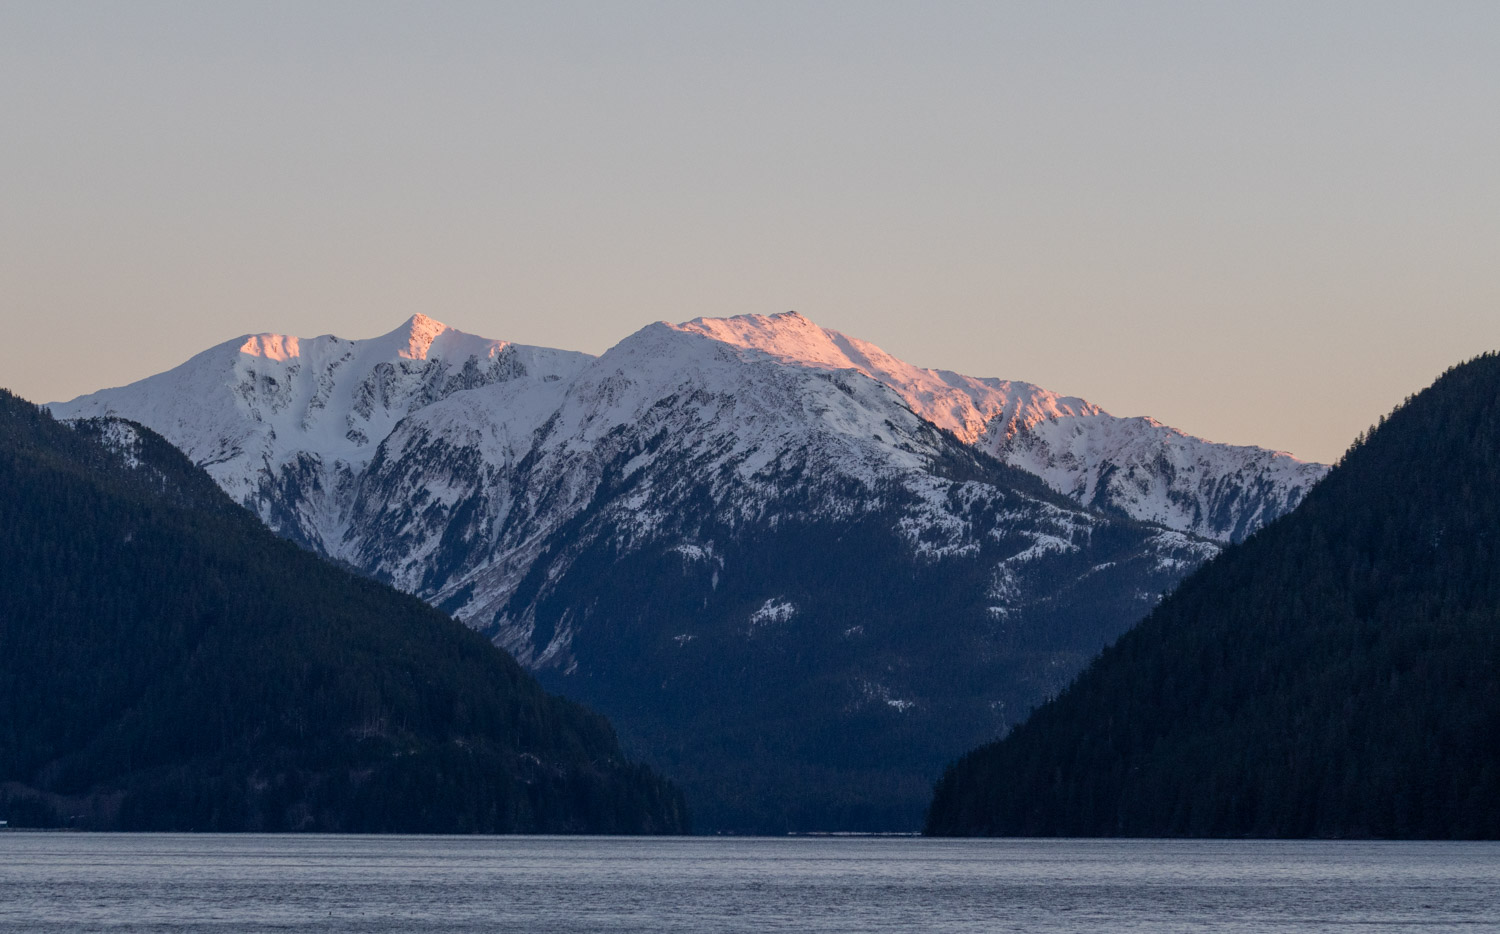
[(1258, 223)]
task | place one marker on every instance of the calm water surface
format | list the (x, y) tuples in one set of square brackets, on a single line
[(55, 882)]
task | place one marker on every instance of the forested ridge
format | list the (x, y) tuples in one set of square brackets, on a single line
[(166, 663), (1337, 675)]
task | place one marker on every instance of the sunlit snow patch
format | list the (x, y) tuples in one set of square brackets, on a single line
[(774, 610)]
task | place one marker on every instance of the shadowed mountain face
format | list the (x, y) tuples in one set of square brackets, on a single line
[(1333, 676), (166, 663), (795, 571)]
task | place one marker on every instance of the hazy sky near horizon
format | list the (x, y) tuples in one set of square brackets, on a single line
[(1262, 223)]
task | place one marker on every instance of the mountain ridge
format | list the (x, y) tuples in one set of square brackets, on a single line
[(1075, 446), (732, 535)]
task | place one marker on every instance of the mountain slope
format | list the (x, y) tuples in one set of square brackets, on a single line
[(1333, 676), (168, 663)]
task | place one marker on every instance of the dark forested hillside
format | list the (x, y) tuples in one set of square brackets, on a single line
[(1338, 675), (168, 663), (838, 714)]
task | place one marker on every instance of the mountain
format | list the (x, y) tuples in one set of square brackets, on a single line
[(1332, 676), (797, 573), (167, 663), (288, 426)]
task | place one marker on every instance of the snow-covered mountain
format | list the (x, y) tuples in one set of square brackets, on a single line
[(733, 536), (287, 425)]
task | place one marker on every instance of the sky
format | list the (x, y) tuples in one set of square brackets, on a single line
[(1262, 223)]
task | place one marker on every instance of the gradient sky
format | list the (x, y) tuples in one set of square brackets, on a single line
[(1263, 223)]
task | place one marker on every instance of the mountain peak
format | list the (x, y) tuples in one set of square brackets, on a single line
[(272, 346), (789, 335), (413, 340), (418, 332)]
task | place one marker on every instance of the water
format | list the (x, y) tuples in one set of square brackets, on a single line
[(55, 882)]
